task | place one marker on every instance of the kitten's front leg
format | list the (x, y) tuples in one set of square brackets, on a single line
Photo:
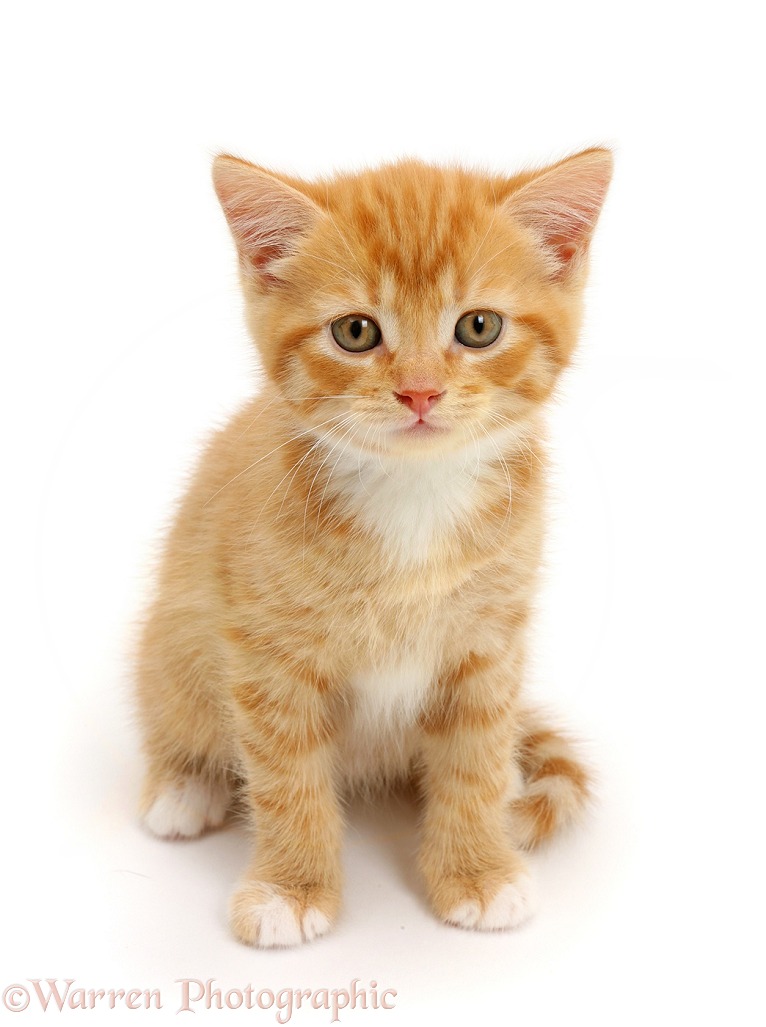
[(474, 876), (291, 891)]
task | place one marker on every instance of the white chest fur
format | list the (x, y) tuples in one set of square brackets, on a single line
[(380, 737), (409, 504)]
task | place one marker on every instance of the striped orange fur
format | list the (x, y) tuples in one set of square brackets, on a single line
[(344, 596)]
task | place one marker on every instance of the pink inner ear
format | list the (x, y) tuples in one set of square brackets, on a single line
[(565, 249), (262, 259), (266, 216), (562, 205)]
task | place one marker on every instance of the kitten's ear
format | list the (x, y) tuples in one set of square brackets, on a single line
[(266, 216), (561, 206)]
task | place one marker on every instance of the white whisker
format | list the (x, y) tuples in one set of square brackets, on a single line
[(327, 482), (282, 445), (349, 424)]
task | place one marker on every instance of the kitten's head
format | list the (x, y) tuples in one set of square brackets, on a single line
[(414, 309)]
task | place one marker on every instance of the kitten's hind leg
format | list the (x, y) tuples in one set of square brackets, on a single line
[(556, 787), (186, 789), (185, 807)]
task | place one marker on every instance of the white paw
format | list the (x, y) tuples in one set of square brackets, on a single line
[(188, 809), (513, 904), (263, 917)]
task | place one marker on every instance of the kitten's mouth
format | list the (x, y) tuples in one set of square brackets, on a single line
[(421, 427)]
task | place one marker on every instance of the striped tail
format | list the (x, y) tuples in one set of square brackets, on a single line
[(556, 786)]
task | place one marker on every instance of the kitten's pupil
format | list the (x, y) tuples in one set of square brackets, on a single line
[(356, 328), (478, 324)]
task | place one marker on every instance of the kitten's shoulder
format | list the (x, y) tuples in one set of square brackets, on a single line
[(251, 428)]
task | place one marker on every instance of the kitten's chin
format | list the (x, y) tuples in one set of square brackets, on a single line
[(423, 429), (422, 439)]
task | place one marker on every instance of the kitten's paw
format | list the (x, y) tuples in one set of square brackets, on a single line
[(264, 915), (186, 810), (509, 907)]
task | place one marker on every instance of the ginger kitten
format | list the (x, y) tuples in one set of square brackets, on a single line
[(344, 597)]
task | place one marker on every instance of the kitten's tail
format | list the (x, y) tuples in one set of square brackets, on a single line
[(556, 785)]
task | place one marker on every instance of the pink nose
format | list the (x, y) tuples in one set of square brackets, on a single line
[(419, 401)]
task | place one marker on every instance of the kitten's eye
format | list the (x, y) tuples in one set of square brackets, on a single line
[(355, 333), (478, 329)]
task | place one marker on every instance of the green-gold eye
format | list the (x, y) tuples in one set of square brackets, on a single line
[(356, 333), (478, 329)]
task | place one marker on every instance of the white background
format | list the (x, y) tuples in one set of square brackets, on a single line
[(122, 346)]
